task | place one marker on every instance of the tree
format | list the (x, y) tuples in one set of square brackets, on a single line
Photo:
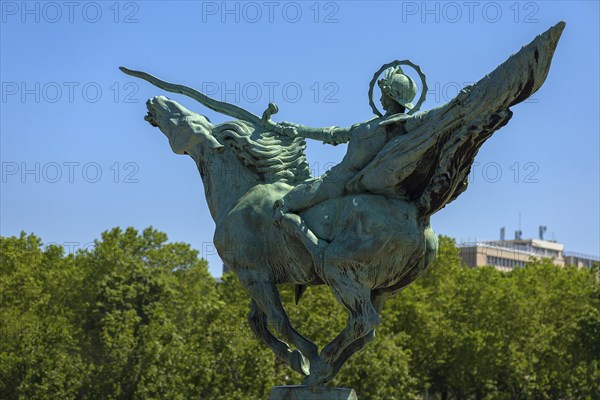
[(137, 317), (39, 356)]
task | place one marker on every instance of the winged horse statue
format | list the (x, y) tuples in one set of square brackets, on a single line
[(363, 227)]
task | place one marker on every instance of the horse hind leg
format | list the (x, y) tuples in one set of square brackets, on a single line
[(258, 323), (378, 301), (362, 320)]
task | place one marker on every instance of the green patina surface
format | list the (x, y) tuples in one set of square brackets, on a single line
[(363, 227)]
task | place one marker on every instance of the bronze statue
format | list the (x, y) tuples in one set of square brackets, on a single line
[(363, 227)]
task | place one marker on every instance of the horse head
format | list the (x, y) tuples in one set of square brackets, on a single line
[(188, 132), (225, 175)]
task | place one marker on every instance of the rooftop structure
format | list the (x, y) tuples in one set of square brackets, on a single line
[(508, 254)]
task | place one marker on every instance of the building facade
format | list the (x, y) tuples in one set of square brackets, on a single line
[(506, 255), (581, 260)]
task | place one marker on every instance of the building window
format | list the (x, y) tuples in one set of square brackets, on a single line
[(504, 262)]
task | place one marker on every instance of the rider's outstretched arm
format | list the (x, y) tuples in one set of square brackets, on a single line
[(332, 135)]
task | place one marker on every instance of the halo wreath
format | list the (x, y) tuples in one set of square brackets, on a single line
[(394, 63)]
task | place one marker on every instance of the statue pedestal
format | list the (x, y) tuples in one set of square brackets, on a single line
[(299, 392)]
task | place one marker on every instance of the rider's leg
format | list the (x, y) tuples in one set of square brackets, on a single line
[(329, 185), (301, 197), (295, 225)]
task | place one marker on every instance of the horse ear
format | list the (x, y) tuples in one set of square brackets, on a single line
[(214, 144), (217, 147), (211, 141)]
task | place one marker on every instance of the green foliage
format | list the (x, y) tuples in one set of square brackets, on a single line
[(485, 334), (137, 317)]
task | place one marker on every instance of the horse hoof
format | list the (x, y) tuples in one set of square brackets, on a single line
[(300, 363)]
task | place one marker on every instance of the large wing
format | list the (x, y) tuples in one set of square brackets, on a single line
[(431, 162)]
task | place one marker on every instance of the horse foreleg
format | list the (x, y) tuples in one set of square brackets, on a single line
[(264, 292), (258, 323)]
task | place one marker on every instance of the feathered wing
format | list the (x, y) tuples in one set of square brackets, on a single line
[(430, 164)]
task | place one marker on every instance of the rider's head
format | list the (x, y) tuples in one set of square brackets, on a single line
[(397, 90)]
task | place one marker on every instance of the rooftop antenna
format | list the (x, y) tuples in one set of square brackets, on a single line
[(502, 232), (542, 230)]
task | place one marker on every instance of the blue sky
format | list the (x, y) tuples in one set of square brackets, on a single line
[(77, 157)]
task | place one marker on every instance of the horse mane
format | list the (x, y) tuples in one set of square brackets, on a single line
[(273, 156)]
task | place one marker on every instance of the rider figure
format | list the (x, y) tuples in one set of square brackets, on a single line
[(365, 140)]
